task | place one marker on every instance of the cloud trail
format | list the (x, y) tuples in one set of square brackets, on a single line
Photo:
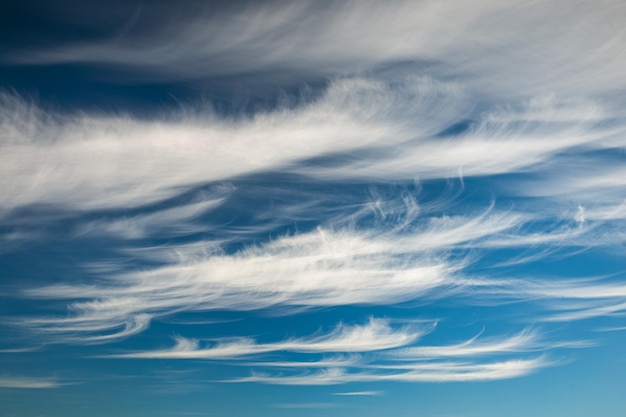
[(100, 162), (106, 162), (324, 267), (440, 372), (517, 48), (28, 382), (375, 335), (422, 363), (360, 393), (518, 343)]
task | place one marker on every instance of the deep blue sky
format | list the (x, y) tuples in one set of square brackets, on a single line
[(319, 208)]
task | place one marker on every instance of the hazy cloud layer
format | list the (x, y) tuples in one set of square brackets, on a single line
[(516, 47)]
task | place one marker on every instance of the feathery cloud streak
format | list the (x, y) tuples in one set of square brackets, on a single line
[(419, 363), (28, 382), (405, 260), (446, 372), (515, 47), (375, 335)]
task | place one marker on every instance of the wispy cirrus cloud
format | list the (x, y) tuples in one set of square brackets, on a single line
[(407, 259), (493, 358), (360, 393), (594, 191), (390, 130), (324, 267), (336, 361), (21, 382), (106, 328), (501, 141), (565, 300), (439, 372), (171, 222), (373, 336), (374, 341), (107, 162), (304, 405), (521, 342), (517, 48)]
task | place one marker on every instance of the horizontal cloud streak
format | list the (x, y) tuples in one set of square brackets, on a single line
[(28, 382), (421, 363), (116, 162), (389, 130), (503, 141), (443, 372), (376, 335), (171, 222), (324, 267), (518, 343), (359, 393), (517, 47)]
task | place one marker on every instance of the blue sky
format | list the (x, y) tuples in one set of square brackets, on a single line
[(319, 208)]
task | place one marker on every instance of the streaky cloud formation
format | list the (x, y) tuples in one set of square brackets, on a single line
[(518, 343), (513, 48), (344, 193), (171, 222), (20, 382), (104, 162), (321, 268), (440, 372), (505, 141), (376, 335), (360, 393), (304, 405), (418, 363)]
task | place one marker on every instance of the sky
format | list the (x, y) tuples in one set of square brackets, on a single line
[(313, 208)]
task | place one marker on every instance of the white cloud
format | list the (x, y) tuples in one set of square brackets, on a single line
[(373, 336), (87, 329), (524, 341), (175, 221), (360, 393), (583, 184), (505, 140), (588, 310), (339, 361), (325, 267), (429, 372), (101, 162), (564, 299), (405, 258), (304, 405), (517, 47), (417, 363), (28, 382), (105, 162)]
